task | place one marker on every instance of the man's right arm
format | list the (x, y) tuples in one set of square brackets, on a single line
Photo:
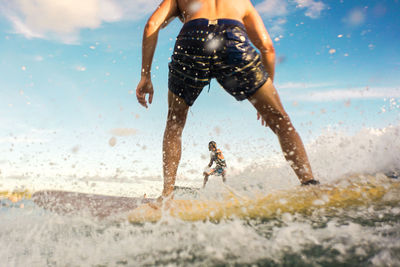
[(167, 10), (259, 36)]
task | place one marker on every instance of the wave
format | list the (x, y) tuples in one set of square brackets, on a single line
[(333, 155)]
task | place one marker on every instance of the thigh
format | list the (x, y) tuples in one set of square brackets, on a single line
[(189, 69), (221, 171), (210, 171), (177, 109), (267, 102)]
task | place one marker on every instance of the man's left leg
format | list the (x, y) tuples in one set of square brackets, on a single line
[(266, 101), (172, 143)]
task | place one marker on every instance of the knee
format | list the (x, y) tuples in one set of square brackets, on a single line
[(175, 123), (279, 122), (176, 117)]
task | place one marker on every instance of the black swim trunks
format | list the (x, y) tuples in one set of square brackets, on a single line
[(220, 49)]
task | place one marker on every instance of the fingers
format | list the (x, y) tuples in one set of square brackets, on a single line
[(151, 97), (141, 92), (141, 97), (263, 122)]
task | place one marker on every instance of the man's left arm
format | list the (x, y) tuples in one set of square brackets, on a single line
[(259, 36)]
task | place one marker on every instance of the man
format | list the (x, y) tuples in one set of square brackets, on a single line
[(215, 43), (220, 164)]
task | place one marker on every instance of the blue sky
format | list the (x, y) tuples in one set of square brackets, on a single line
[(69, 72)]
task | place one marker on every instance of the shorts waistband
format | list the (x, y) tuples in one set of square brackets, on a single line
[(206, 22)]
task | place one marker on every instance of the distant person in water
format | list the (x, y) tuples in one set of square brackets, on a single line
[(220, 164), (215, 42)]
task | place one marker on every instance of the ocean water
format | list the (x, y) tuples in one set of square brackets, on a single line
[(361, 235)]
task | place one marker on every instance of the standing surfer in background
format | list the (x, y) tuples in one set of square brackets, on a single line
[(220, 164), (214, 42)]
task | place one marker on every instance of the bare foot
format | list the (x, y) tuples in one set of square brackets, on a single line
[(161, 202), (310, 182)]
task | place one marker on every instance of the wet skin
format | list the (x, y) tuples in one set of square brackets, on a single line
[(266, 99)]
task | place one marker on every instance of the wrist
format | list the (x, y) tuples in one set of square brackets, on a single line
[(145, 73)]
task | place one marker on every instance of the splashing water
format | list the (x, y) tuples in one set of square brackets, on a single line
[(364, 235)]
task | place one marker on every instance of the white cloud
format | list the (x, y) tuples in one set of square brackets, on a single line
[(38, 58), (22, 139), (124, 131), (346, 94), (63, 19), (302, 85), (355, 17), (131, 10), (277, 27), (278, 10), (313, 8), (22, 28), (31, 136), (272, 8)]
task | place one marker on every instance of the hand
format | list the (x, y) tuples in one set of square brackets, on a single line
[(263, 123), (144, 87)]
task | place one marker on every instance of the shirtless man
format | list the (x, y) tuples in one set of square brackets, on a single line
[(220, 164), (214, 43)]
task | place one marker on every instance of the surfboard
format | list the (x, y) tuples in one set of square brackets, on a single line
[(96, 205), (347, 193), (15, 196)]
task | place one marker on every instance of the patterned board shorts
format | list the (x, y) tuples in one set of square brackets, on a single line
[(220, 49), (216, 171)]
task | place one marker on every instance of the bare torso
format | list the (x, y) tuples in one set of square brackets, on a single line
[(213, 9)]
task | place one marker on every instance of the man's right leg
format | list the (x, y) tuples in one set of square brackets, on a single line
[(266, 101), (223, 176), (177, 113)]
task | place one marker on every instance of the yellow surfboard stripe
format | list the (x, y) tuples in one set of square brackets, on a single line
[(297, 200), (15, 196)]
